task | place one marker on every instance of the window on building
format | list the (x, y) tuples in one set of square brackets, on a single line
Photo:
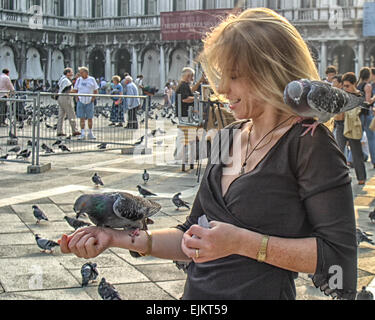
[(179, 5), (97, 8), (274, 4), (8, 4), (345, 3), (31, 3), (209, 4), (123, 8), (151, 7), (59, 8), (308, 4)]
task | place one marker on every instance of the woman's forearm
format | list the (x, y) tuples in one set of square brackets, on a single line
[(166, 243), (297, 255)]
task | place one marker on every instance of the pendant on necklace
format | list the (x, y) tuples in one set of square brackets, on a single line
[(243, 170)]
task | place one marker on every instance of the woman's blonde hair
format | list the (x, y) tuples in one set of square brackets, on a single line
[(262, 47)]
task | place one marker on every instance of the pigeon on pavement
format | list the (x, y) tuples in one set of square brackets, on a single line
[(363, 237), (107, 291), (365, 295), (15, 149), (39, 214), (318, 99), (64, 148), (89, 273), (47, 149), (75, 223), (4, 157), (44, 244), (372, 216), (97, 180), (57, 143), (102, 146), (24, 154), (146, 176), (179, 203), (145, 193)]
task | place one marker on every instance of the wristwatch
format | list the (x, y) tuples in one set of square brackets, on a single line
[(262, 254)]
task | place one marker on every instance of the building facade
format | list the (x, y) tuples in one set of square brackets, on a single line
[(41, 37)]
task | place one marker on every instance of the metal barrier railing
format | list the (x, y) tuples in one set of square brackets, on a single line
[(32, 120)]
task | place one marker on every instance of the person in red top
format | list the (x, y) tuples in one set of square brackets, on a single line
[(5, 86)]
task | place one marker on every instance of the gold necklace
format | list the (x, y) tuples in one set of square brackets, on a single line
[(243, 169)]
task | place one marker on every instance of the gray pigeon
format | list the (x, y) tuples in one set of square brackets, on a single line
[(44, 244), (89, 273), (363, 237), (318, 99), (64, 148), (39, 214), (146, 176), (145, 193), (179, 203), (4, 157), (107, 291), (365, 295), (75, 223), (372, 216), (117, 211), (15, 149), (97, 180)]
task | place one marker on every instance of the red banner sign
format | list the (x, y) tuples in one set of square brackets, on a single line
[(190, 25)]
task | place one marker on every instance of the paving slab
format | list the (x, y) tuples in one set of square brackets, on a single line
[(105, 260), (162, 272), (61, 294), (25, 212), (122, 273), (174, 288), (10, 239), (36, 273)]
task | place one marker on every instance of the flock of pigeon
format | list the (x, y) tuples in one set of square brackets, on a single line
[(47, 113), (118, 210)]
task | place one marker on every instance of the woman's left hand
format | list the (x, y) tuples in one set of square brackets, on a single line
[(220, 241)]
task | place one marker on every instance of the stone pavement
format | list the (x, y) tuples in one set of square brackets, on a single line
[(26, 273)]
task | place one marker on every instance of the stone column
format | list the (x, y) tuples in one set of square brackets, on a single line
[(108, 66), (360, 59), (162, 67), (323, 58), (134, 62), (49, 65)]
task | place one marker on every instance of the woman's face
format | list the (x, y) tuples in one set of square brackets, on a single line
[(242, 103)]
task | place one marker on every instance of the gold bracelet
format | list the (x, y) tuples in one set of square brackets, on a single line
[(149, 244), (262, 254)]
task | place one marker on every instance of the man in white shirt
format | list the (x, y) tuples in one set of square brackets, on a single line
[(66, 104), (5, 85), (85, 106)]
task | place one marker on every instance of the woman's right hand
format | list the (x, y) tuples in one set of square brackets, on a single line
[(88, 242)]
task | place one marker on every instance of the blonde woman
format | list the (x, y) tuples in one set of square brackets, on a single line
[(283, 205)]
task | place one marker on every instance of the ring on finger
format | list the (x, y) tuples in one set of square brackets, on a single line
[(197, 254)]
